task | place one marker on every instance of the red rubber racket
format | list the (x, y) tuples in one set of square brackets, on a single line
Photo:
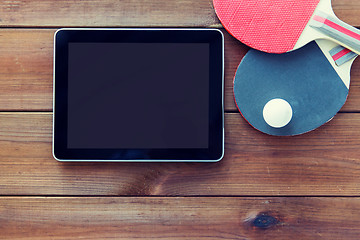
[(278, 26)]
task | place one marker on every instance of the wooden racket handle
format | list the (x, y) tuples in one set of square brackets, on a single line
[(343, 33), (341, 55)]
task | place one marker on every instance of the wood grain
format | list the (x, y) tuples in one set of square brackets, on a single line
[(323, 162), (179, 218), (141, 200), (26, 57), (45, 13)]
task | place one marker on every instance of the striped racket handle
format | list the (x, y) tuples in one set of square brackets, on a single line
[(341, 55), (345, 34)]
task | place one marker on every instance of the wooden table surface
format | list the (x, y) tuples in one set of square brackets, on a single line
[(303, 187)]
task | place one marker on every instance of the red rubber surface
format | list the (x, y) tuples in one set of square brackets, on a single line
[(272, 26)]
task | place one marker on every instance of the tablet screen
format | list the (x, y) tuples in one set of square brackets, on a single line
[(138, 95)]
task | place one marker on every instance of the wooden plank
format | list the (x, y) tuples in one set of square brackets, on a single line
[(179, 218), (26, 71), (45, 13), (59, 13), (26, 58), (323, 162)]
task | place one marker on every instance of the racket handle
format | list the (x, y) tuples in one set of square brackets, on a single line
[(343, 33), (341, 55)]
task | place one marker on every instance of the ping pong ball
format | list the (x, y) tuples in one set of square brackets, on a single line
[(277, 113)]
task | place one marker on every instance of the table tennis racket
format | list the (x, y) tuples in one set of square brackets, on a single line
[(279, 26), (296, 92)]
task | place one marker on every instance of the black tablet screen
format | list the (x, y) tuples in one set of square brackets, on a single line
[(138, 95)]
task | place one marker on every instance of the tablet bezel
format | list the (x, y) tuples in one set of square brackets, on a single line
[(214, 37)]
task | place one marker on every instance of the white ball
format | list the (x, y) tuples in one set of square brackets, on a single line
[(277, 113)]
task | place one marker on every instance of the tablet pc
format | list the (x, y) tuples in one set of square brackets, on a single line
[(138, 95)]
